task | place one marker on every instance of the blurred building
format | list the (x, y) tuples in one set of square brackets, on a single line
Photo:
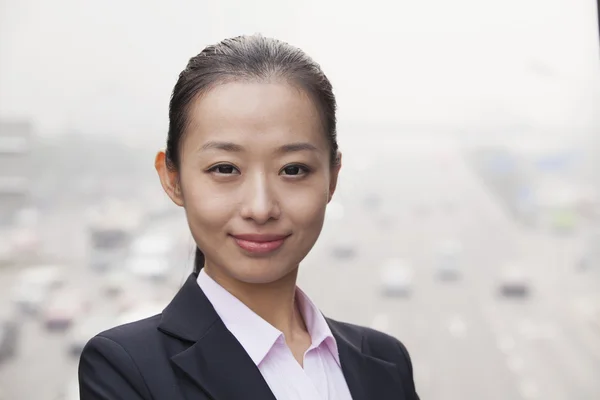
[(15, 168)]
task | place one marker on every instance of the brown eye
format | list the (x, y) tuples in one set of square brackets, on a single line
[(224, 169), (294, 170)]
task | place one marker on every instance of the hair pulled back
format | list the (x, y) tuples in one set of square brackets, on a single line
[(247, 58)]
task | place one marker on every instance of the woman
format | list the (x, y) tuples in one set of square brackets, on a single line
[(252, 157)]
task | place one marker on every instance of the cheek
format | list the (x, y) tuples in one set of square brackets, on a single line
[(205, 207), (306, 208), (209, 209)]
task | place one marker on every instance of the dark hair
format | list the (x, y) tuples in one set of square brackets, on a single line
[(247, 58)]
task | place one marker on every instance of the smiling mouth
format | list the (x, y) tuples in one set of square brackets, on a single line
[(259, 244)]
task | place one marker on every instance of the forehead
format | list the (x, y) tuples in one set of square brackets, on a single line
[(255, 113)]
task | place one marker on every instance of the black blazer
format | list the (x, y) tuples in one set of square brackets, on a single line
[(187, 353)]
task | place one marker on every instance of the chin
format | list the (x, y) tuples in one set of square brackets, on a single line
[(260, 271)]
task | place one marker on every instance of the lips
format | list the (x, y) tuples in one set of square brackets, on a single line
[(259, 243)]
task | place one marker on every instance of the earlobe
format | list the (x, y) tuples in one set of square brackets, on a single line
[(169, 179)]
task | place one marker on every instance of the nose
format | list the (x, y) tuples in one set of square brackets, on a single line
[(259, 203)]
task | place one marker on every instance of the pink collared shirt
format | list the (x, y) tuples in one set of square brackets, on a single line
[(320, 379)]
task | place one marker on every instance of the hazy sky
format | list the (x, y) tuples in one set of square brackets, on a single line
[(109, 66)]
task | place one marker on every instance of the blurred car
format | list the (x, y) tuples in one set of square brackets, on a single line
[(386, 221), (33, 286), (116, 282), (9, 335), (64, 309), (372, 202), (150, 257), (85, 329), (448, 259), (154, 269), (26, 241), (591, 252), (151, 245), (563, 220), (396, 277), (136, 293), (587, 261), (48, 276), (344, 249), (7, 253), (28, 298), (111, 225), (514, 282)]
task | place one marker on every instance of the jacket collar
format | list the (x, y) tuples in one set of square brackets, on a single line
[(367, 377), (218, 364)]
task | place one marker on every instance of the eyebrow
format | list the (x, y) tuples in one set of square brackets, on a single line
[(226, 146), (232, 147), (295, 147)]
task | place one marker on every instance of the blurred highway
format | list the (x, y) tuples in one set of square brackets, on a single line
[(466, 341)]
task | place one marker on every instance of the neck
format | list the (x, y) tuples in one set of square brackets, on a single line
[(274, 301)]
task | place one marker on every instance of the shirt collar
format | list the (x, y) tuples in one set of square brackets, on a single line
[(255, 334), (316, 325)]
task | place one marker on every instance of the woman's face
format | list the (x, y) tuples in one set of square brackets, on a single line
[(255, 178)]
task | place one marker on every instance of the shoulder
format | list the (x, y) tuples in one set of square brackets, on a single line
[(136, 342), (131, 334), (379, 345), (112, 360), (373, 342)]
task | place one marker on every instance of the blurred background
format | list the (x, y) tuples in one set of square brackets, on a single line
[(467, 219)]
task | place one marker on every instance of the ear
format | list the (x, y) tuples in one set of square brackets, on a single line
[(335, 172), (169, 178)]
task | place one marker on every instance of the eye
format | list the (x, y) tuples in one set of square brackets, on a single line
[(224, 169), (294, 170)]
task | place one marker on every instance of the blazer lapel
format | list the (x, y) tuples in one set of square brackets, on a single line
[(221, 367), (215, 361), (367, 377)]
